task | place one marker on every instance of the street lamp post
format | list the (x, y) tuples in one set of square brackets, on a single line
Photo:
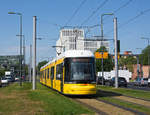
[(76, 37), (23, 61), (116, 51), (34, 54), (30, 64), (102, 60), (20, 44), (148, 55)]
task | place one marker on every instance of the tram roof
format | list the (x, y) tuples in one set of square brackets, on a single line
[(70, 54)]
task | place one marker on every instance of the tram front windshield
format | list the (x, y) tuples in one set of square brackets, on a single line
[(81, 69)]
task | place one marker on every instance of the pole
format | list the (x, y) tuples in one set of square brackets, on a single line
[(141, 66), (148, 58), (34, 54), (76, 37), (116, 52), (102, 60), (20, 50), (30, 65), (137, 66), (24, 57)]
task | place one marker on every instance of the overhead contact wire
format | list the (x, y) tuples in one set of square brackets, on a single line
[(76, 11), (94, 12)]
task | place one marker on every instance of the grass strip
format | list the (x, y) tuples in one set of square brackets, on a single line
[(16, 99), (127, 92), (56, 103), (127, 105)]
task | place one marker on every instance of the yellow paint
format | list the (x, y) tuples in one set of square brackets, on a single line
[(80, 89)]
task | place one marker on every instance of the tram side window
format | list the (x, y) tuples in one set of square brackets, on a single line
[(67, 69), (42, 74), (59, 71), (45, 74), (52, 73), (48, 73)]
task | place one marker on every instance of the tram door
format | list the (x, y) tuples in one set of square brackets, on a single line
[(48, 77), (59, 77), (52, 77)]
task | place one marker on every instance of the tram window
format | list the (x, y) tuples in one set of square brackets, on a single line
[(42, 74), (48, 73), (52, 73), (67, 69), (79, 69), (82, 71), (59, 71), (45, 74)]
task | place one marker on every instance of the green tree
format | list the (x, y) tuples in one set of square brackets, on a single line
[(17, 69), (40, 64), (107, 63), (144, 56), (26, 69), (127, 62), (2, 72)]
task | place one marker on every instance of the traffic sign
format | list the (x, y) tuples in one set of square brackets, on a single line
[(99, 55)]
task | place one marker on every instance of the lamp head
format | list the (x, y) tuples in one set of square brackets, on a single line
[(11, 13), (108, 14), (145, 38), (14, 13)]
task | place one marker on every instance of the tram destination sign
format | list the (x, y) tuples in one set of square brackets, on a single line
[(81, 60)]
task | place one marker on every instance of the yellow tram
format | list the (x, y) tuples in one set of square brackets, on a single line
[(71, 73)]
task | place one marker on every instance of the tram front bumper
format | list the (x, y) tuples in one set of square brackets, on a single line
[(80, 89)]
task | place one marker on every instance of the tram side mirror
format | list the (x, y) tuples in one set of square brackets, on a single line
[(63, 64)]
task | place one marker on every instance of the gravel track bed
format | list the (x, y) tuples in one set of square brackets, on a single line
[(103, 108), (134, 100), (122, 107)]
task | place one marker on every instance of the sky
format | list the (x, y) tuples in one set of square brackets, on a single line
[(133, 18)]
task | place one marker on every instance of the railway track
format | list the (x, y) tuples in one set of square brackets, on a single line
[(117, 94), (134, 100), (106, 108), (94, 108), (103, 107)]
